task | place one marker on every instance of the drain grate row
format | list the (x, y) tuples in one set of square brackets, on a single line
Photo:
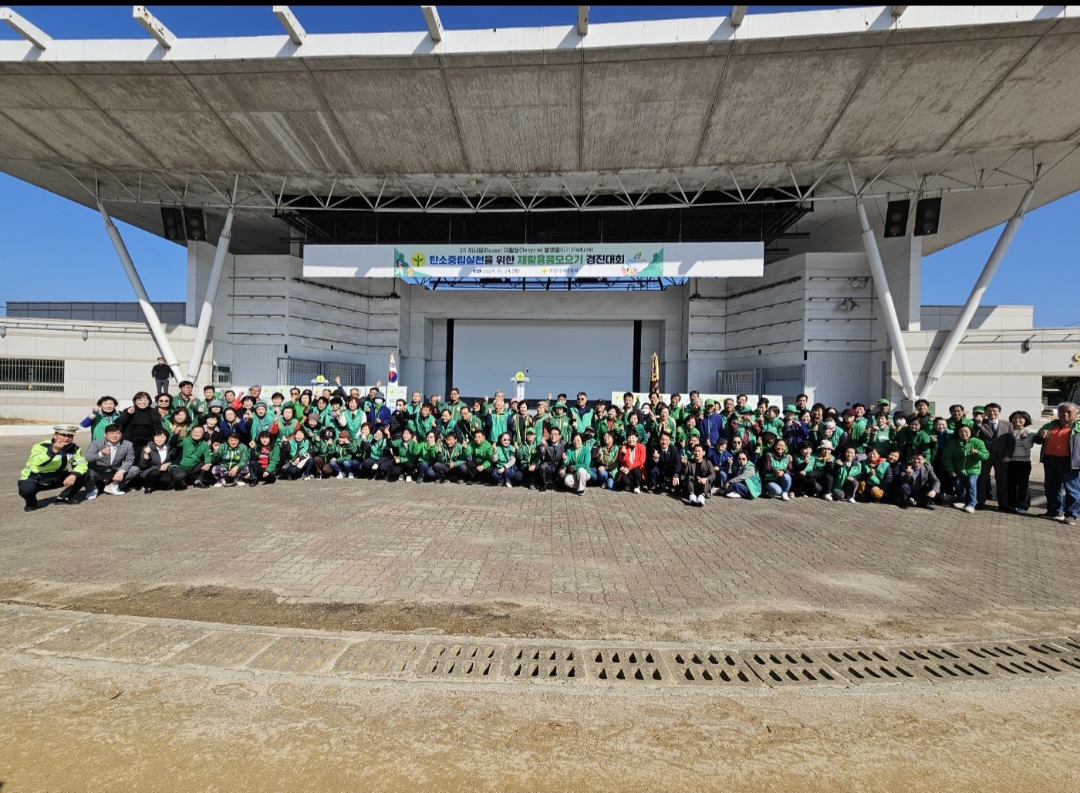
[(190, 644)]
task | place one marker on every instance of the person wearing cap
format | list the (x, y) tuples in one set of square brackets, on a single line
[(379, 415), (162, 373), (55, 463), (712, 428), (964, 457), (111, 461), (794, 432), (559, 419)]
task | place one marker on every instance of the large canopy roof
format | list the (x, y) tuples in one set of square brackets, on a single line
[(965, 102)]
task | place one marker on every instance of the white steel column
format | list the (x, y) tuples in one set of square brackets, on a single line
[(198, 349), (881, 283), (975, 298), (152, 320)]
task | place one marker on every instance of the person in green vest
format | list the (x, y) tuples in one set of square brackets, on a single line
[(607, 461), (285, 427), (202, 406), (467, 425), (447, 423), (405, 455), (520, 424), (505, 469), (772, 421), (677, 411), (875, 482), (327, 453), (581, 415), (193, 461), (229, 463), (497, 420), (846, 476), (352, 418), (185, 397), (685, 433), (413, 408), (423, 422), (913, 439), (480, 454), (455, 404), (804, 469), (958, 416), (451, 459), (559, 419), (427, 455), (665, 422), (963, 458), (54, 463), (297, 461), (528, 458), (264, 461), (376, 461), (745, 481), (775, 464), (882, 437), (260, 420), (103, 414), (578, 460)]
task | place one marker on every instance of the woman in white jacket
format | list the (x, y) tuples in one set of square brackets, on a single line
[(1018, 459)]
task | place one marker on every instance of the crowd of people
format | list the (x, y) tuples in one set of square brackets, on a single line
[(694, 451)]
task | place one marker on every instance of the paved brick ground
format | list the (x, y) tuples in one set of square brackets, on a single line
[(649, 556)]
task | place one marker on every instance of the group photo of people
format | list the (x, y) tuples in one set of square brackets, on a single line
[(694, 451)]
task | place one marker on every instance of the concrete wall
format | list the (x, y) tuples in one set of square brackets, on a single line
[(115, 359)]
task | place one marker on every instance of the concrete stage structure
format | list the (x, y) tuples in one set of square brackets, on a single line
[(803, 132)]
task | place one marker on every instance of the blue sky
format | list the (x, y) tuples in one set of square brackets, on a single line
[(44, 232)]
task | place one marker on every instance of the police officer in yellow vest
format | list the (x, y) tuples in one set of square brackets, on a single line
[(54, 463)]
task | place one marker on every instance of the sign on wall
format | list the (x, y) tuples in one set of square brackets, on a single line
[(622, 260)]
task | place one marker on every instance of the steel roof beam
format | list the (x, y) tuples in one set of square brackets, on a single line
[(25, 28)]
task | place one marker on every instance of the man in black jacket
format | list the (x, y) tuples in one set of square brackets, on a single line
[(161, 374), (665, 466), (551, 459)]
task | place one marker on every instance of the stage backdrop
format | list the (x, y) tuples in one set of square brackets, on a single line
[(595, 357)]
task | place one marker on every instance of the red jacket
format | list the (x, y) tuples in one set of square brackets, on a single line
[(632, 458)]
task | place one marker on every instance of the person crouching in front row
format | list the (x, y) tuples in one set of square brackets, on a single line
[(111, 462), (230, 462), (699, 475), (54, 463), (917, 483)]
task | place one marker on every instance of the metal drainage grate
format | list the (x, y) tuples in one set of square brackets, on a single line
[(543, 664), (940, 664), (711, 667), (615, 665), (460, 660), (872, 665), (792, 667), (380, 658), (1062, 651), (1013, 660)]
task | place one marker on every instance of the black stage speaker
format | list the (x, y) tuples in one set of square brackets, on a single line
[(927, 215), (896, 216), (195, 221), (172, 222)]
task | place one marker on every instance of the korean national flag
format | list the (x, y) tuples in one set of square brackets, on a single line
[(393, 370)]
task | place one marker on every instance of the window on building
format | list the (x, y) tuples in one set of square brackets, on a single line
[(31, 374)]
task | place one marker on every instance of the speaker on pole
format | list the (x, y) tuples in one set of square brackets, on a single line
[(172, 223), (195, 221), (896, 217), (927, 216)]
